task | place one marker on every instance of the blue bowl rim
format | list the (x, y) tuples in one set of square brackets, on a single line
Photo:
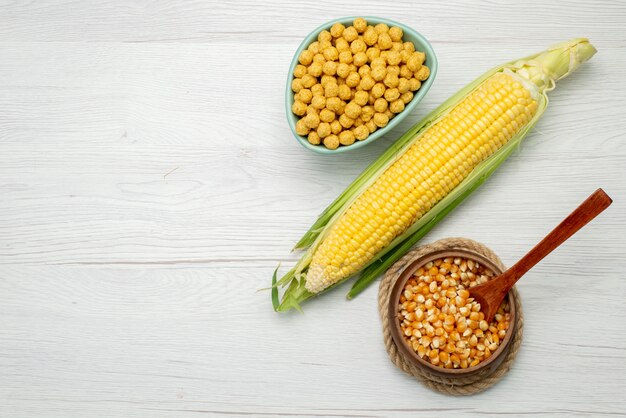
[(431, 59)]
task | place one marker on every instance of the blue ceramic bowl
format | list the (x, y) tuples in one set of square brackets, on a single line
[(421, 44)]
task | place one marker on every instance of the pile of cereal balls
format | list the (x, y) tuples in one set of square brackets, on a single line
[(353, 80)]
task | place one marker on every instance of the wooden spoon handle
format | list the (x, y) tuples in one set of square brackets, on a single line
[(589, 209)]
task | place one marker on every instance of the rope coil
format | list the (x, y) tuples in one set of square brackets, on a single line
[(468, 385)]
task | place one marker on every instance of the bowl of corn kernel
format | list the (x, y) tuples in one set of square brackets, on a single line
[(439, 326), (353, 79)]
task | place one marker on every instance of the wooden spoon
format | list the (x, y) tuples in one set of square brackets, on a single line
[(491, 294)]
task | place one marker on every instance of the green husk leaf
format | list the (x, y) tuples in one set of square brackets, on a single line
[(275, 300)]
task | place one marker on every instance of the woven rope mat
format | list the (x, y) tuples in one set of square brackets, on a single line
[(460, 385)]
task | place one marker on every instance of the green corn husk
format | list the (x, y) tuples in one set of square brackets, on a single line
[(541, 70)]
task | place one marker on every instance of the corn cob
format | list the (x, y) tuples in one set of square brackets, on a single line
[(427, 173)]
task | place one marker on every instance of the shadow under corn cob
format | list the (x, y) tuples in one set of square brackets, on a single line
[(426, 174)]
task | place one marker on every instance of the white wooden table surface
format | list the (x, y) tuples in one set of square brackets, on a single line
[(150, 184)]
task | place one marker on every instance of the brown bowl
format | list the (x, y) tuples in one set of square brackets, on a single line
[(484, 368)]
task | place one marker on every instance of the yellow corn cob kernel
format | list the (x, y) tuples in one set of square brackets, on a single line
[(443, 157)]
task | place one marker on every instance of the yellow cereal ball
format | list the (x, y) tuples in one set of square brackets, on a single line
[(378, 90), (327, 115), (360, 98), (391, 80), (397, 47), (306, 57), (301, 128), (315, 69), (353, 79), (378, 73), (415, 61), (358, 46), (357, 122), (366, 113), (330, 54), (359, 24), (393, 69), (311, 110), (353, 110), (335, 127), (380, 105), (372, 53), (317, 90), (342, 45), (325, 80), (331, 90), (346, 121), (364, 70), (404, 56), (330, 68), (298, 108), (371, 126), (325, 44), (319, 58), (324, 36), (367, 83), (403, 85), (304, 95), (353, 68), (378, 62), (318, 102), (405, 72), (391, 95), (336, 30), (408, 46), (296, 85), (346, 138), (361, 132), (299, 71), (414, 84), (370, 37), (423, 73), (314, 138), (350, 34), (312, 120), (396, 106), (323, 129), (393, 58), (395, 33), (345, 93), (359, 58), (406, 97), (381, 28), (371, 99), (308, 81), (333, 103), (384, 41), (331, 142), (343, 70), (380, 119), (345, 57), (314, 47), (389, 114)]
